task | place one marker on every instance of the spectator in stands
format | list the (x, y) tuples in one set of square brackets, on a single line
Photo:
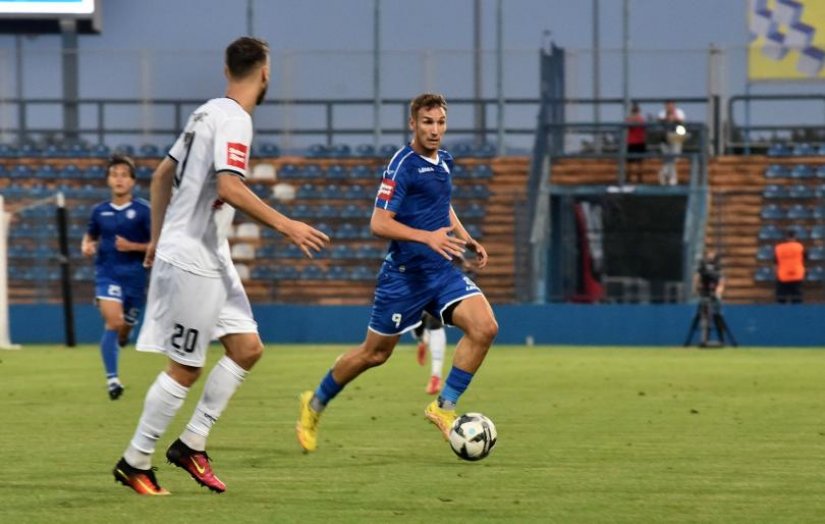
[(412, 209), (673, 119), (195, 293), (117, 234), (636, 143), (789, 256)]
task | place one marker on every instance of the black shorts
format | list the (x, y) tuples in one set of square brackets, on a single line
[(636, 149)]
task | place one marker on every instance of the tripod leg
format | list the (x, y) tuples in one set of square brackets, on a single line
[(728, 331), (719, 323), (692, 330)]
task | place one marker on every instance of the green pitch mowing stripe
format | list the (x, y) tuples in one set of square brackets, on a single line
[(585, 435)]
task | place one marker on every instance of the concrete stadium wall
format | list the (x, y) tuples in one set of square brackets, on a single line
[(568, 324)]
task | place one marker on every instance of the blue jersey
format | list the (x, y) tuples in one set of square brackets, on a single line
[(417, 189), (131, 221)]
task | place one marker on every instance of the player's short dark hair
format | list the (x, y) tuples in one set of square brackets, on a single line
[(116, 160), (245, 54), (426, 101)]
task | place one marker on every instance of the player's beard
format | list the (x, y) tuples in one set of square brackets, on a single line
[(262, 94)]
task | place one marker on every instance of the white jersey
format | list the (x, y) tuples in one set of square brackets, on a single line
[(217, 138)]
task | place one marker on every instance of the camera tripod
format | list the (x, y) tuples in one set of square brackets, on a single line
[(709, 316)]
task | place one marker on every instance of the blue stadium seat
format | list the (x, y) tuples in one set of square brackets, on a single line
[(776, 171), (362, 273), (820, 172), (337, 273), (317, 151), (312, 272), (301, 211), (143, 173), (286, 273), (46, 173), (485, 150), (818, 232), (816, 253), (479, 191), (361, 171), (339, 151), (474, 231), (100, 151), (289, 171), (365, 150), (815, 274), (461, 150), (802, 232), (352, 211), (341, 251), (326, 211), (312, 171), (355, 192), (770, 232), (803, 149), (268, 150), (124, 149), (95, 172), (329, 192), (764, 274), (801, 191), (765, 253), (799, 212), (8, 151), (779, 150), (69, 172), (149, 151), (772, 212), (336, 172), (346, 231), (368, 252), (802, 171), (306, 191), (21, 172), (482, 171), (774, 191), (387, 150)]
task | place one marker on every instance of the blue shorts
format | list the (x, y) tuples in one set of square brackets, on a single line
[(400, 297), (133, 297)]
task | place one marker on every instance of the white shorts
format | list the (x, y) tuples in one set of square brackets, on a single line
[(185, 311)]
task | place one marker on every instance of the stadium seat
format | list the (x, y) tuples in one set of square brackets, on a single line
[(327, 211), (772, 212), (341, 251), (799, 212), (21, 172), (312, 272), (45, 173), (124, 149), (247, 231), (801, 191), (485, 150), (361, 171), (765, 253), (312, 171), (801, 232), (336, 172), (329, 192), (316, 151), (100, 151), (815, 274), (482, 171), (263, 171), (337, 273), (764, 274), (774, 191), (387, 150), (779, 150), (243, 251), (268, 150), (365, 150), (803, 149), (286, 273), (776, 171), (283, 192), (818, 232), (8, 151), (801, 171), (770, 232), (346, 231), (339, 151), (306, 191), (288, 171), (362, 273), (149, 151), (95, 172), (144, 173), (243, 271), (816, 253)]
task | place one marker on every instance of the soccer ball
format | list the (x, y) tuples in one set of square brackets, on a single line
[(473, 436)]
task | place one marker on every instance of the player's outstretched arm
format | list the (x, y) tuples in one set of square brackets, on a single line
[(472, 244), (383, 224), (231, 189)]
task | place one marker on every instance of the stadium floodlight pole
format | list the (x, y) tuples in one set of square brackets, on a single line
[(596, 76), (5, 337), (376, 74), (500, 76), (65, 270)]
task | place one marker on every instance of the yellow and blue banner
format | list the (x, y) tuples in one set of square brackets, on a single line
[(787, 39)]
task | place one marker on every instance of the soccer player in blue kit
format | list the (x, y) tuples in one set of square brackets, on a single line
[(413, 211), (118, 233)]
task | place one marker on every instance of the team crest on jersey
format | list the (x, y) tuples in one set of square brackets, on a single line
[(386, 190), (130, 214), (236, 154)]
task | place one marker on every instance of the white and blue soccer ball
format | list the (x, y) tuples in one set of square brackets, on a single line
[(473, 436)]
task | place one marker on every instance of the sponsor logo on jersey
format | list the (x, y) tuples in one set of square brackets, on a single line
[(236, 154), (106, 213), (426, 169), (386, 190)]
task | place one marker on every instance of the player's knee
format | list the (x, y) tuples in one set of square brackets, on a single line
[(486, 331), (115, 324), (251, 353), (376, 358)]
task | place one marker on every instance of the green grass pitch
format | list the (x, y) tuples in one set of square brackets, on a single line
[(601, 435)]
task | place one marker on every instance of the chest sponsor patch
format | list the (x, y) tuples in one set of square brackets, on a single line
[(236, 154), (386, 190)]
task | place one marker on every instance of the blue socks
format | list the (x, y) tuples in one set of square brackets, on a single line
[(327, 390), (454, 387), (109, 351)]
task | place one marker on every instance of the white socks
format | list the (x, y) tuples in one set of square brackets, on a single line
[(222, 383), (438, 345), (163, 400)]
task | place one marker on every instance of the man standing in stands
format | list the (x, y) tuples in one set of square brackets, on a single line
[(118, 234), (789, 256), (673, 119)]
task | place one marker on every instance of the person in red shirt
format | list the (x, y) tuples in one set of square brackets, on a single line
[(636, 143), (790, 269)]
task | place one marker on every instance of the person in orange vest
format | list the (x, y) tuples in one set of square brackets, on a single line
[(790, 269)]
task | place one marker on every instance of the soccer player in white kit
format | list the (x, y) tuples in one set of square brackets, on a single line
[(195, 293)]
